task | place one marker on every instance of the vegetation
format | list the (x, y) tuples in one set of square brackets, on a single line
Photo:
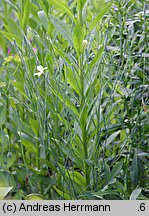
[(74, 99)]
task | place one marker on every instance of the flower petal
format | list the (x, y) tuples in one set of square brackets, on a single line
[(45, 68), (40, 68), (38, 74)]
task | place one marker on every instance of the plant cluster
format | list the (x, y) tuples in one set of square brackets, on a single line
[(74, 99)]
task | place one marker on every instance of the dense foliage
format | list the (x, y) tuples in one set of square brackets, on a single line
[(74, 99)]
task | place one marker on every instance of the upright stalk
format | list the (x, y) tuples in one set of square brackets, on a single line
[(82, 102)]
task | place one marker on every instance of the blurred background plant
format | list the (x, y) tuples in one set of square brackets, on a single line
[(74, 87)]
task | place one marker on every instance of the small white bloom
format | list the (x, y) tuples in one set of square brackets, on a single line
[(85, 43), (41, 70)]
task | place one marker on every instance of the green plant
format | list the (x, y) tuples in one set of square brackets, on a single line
[(74, 98)]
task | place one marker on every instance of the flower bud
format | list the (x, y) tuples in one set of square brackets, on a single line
[(85, 43)]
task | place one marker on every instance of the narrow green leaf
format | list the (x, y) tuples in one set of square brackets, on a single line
[(83, 116), (78, 36), (43, 18), (2, 115), (135, 169), (61, 6), (95, 60), (62, 28), (81, 4), (41, 2), (78, 158), (116, 170), (99, 16), (135, 193), (6, 179), (26, 12), (78, 146), (30, 146), (62, 194), (111, 138), (4, 191), (73, 79), (78, 178), (34, 125)]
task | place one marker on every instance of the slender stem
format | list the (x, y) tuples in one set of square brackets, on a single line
[(82, 104), (80, 13), (83, 127)]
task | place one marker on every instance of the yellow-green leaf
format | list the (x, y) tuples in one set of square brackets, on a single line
[(4, 191)]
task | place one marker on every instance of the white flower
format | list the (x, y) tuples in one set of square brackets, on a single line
[(41, 70)]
